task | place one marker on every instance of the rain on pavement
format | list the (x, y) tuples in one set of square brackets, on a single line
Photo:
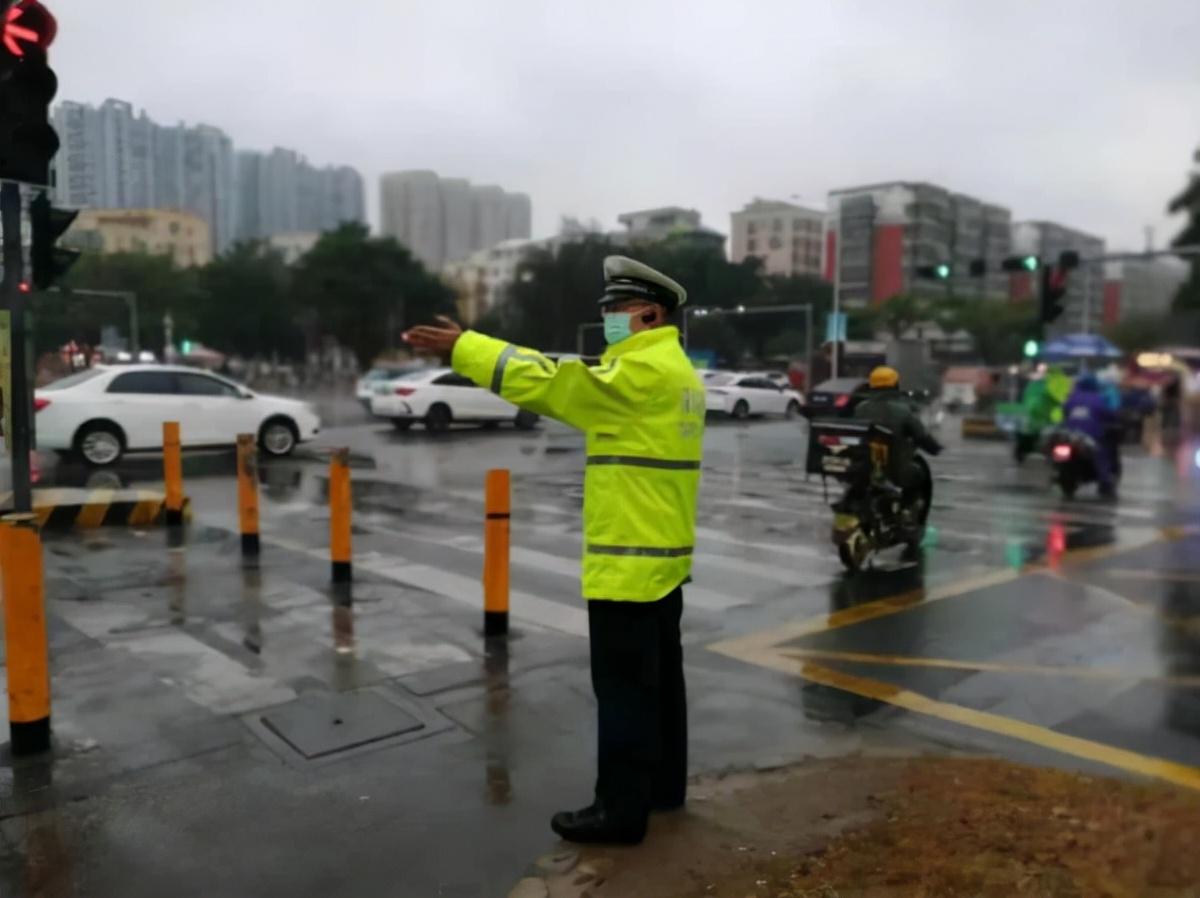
[(1061, 632), (1080, 617)]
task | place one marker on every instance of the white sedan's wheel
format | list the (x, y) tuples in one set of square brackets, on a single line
[(100, 445), (278, 437)]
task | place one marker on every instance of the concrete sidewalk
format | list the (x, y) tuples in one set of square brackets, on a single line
[(238, 732)]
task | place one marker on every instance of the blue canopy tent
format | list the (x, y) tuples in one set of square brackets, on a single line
[(1079, 347)]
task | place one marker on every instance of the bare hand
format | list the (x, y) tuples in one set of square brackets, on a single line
[(434, 339)]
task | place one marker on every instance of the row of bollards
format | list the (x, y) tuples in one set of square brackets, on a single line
[(21, 564)]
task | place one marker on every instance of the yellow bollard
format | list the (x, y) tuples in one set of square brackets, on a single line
[(247, 476), (339, 515), (497, 510), (173, 473), (26, 646)]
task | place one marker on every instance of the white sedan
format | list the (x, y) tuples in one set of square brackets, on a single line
[(438, 397), (743, 395), (104, 412)]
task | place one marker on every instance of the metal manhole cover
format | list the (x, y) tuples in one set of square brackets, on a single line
[(321, 724)]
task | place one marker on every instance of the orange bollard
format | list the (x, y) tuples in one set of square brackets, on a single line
[(173, 473), (247, 476), (497, 510), (26, 645), (339, 515)]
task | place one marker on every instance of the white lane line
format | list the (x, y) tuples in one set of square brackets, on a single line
[(464, 590), (696, 596), (208, 677)]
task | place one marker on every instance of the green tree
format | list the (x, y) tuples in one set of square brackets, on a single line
[(998, 329), (553, 294), (246, 304), (900, 314), (1143, 331), (158, 283), (1188, 202), (365, 290)]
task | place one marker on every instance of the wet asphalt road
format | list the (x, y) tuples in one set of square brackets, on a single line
[(1053, 644), (1050, 631)]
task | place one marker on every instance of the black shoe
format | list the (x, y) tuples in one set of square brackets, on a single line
[(593, 824)]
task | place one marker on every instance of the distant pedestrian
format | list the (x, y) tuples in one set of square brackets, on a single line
[(642, 409)]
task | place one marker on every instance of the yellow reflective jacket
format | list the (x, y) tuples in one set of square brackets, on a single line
[(642, 409)]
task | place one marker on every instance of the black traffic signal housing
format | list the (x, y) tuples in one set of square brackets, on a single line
[(1054, 290), (27, 87), (47, 260), (939, 272), (978, 268), (1028, 263)]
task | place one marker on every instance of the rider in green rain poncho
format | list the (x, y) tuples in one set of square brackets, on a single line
[(1042, 404)]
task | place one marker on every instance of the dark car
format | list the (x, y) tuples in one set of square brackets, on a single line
[(836, 398)]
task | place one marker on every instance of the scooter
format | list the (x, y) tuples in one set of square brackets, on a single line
[(1073, 455), (873, 513)]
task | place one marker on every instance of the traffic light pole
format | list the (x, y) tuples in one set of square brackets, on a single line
[(20, 441)]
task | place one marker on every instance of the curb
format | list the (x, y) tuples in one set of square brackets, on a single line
[(67, 509)]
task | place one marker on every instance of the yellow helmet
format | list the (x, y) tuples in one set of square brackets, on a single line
[(883, 378)]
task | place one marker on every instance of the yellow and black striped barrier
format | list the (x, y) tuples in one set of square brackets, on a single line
[(67, 508)]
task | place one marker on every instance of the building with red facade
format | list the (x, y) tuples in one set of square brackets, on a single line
[(888, 231)]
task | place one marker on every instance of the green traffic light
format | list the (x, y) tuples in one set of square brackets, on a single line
[(185, 346), (1031, 348), (942, 271), (1030, 263)]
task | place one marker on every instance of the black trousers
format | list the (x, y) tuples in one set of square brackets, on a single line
[(637, 674)]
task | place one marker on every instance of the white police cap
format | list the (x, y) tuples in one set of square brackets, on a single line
[(625, 278)]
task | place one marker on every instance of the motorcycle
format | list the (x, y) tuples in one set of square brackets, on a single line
[(1073, 455), (873, 513)]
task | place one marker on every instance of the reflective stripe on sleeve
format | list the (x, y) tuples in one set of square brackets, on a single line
[(501, 363)]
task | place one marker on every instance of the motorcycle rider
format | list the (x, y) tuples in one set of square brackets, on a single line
[(887, 406), (1041, 403), (1089, 412)]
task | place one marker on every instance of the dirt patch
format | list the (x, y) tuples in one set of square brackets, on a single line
[(917, 828)]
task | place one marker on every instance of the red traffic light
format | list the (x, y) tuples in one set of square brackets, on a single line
[(28, 22)]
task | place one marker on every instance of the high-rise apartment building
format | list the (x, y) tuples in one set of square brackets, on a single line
[(887, 231), (789, 239), (114, 158), (1084, 302), (445, 220), (281, 193)]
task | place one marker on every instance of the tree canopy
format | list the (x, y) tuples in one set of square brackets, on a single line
[(358, 289)]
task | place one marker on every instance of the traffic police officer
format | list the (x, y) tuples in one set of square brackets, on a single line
[(642, 409)]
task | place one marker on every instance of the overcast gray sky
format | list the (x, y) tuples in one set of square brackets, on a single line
[(1083, 112)]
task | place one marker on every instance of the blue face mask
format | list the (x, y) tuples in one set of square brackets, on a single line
[(617, 327)]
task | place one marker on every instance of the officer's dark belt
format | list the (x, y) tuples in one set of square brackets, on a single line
[(644, 551), (641, 461)]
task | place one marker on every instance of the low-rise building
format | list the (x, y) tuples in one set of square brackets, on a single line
[(184, 236), (789, 239), (293, 244), (483, 278), (1135, 287)]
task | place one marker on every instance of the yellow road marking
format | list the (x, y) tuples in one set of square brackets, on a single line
[(1099, 673), (764, 640), (1163, 576), (1122, 759)]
